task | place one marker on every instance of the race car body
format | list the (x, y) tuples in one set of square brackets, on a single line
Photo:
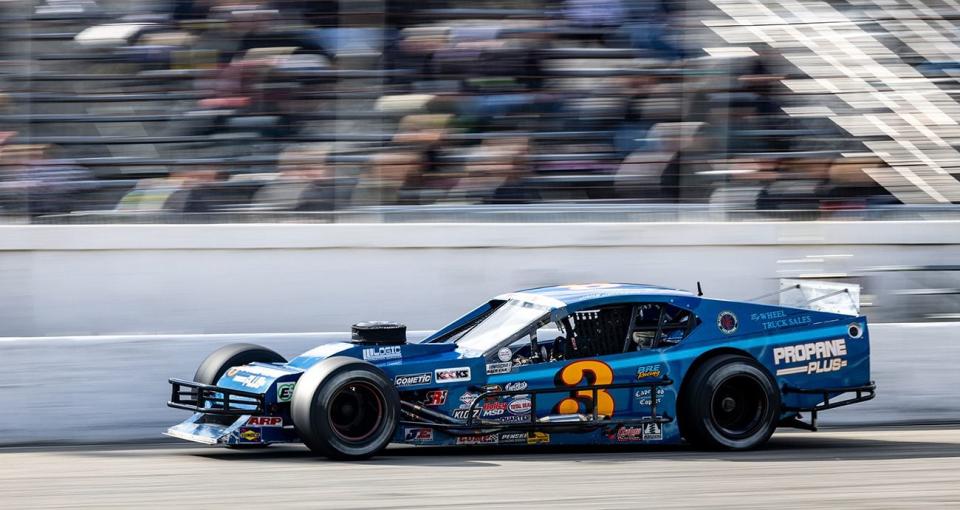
[(578, 364)]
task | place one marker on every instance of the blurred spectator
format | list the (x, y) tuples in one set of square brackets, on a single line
[(305, 183)]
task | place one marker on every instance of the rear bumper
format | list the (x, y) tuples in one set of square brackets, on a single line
[(829, 401)]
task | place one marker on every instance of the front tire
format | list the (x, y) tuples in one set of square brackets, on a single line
[(345, 408), (731, 403), (219, 361)]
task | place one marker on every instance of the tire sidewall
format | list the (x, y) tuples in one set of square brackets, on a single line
[(213, 367), (314, 393), (712, 375)]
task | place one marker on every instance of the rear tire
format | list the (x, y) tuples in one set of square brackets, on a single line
[(731, 403), (219, 361), (345, 408)]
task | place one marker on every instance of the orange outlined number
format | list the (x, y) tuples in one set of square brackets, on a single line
[(590, 372)]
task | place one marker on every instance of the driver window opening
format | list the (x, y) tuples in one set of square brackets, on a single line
[(603, 331)]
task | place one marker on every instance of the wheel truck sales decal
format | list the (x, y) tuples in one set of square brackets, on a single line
[(815, 357)]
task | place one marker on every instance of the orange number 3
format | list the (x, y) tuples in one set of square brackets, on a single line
[(592, 372)]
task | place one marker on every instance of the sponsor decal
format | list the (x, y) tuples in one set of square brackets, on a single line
[(499, 368), (265, 421), (250, 435), (515, 386), (382, 353), (643, 396), (264, 371), (285, 391), (233, 371), (646, 371), (504, 354), (420, 435), (468, 398), (435, 398), (628, 434), (478, 439), (452, 375), (519, 406), (513, 438), (727, 322), (493, 409), (815, 357), (652, 431), (464, 412), (538, 438), (250, 381), (778, 319), (413, 379)]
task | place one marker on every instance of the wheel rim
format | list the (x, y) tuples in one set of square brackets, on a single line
[(356, 411), (738, 406)]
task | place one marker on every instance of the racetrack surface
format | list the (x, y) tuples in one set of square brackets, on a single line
[(875, 468)]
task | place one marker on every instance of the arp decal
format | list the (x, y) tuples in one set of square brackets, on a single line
[(590, 372), (265, 421)]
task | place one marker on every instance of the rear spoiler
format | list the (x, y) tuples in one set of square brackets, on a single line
[(820, 296)]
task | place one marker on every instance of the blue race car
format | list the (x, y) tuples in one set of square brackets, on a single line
[(577, 364)]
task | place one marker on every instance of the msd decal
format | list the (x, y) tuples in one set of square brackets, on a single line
[(816, 357), (265, 421), (382, 353)]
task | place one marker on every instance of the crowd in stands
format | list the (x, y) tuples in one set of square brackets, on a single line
[(219, 106)]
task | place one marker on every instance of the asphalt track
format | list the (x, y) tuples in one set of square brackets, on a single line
[(871, 468)]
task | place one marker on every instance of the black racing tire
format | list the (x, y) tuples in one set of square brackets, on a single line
[(219, 361), (730, 403), (345, 408)]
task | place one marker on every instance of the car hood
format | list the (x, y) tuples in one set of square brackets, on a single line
[(393, 359)]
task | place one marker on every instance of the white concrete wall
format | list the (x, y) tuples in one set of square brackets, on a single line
[(107, 389), (128, 279)]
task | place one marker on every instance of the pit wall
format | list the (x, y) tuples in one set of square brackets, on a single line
[(195, 279)]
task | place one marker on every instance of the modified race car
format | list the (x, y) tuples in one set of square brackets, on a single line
[(576, 364)]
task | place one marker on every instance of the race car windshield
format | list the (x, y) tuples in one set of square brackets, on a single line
[(507, 321)]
